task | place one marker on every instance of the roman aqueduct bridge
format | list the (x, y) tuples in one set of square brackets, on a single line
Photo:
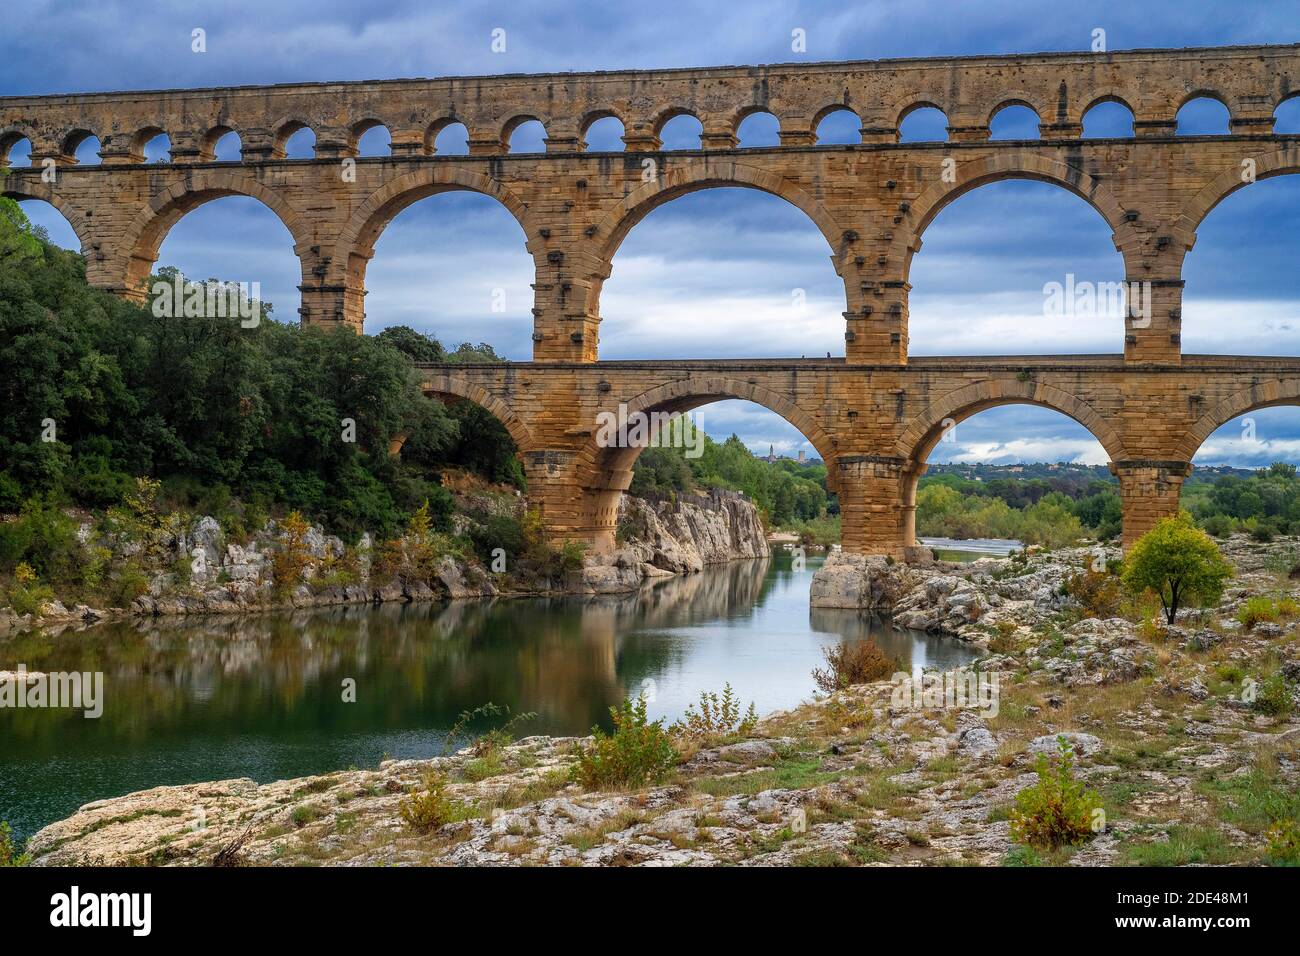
[(873, 415)]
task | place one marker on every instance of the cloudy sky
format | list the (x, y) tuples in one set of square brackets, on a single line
[(714, 273)]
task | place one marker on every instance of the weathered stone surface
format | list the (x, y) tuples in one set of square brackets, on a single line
[(667, 539), (678, 537), (859, 581)]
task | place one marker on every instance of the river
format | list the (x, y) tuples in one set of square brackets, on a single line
[(262, 696)]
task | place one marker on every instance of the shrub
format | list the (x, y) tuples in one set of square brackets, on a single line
[(128, 583), (1098, 592), (1284, 844), (858, 663), (1004, 641), (9, 853), (1273, 697), (1257, 610), (718, 716), (1057, 811), (26, 595), (1218, 525), (498, 531), (290, 558), (44, 537), (423, 547), (639, 751), (1263, 531), (431, 808), (569, 556), (496, 737)]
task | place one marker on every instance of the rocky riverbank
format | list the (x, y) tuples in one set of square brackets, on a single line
[(1188, 735), (196, 569), (965, 599)]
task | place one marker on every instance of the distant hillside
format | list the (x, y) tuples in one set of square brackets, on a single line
[(1064, 470)]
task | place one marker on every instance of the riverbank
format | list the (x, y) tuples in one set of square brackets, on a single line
[(191, 565), (1188, 735)]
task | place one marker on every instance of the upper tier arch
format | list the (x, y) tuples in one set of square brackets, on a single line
[(971, 174), (145, 235)]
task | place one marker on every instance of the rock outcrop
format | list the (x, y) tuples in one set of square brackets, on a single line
[(199, 571), (872, 583), (658, 539), (945, 597)]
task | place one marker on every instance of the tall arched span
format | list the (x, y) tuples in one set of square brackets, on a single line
[(722, 272), (1017, 267)]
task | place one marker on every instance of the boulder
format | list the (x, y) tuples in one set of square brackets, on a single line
[(863, 581)]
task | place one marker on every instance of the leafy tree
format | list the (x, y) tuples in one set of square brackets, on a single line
[(1178, 561), (98, 391), (420, 347), (18, 242)]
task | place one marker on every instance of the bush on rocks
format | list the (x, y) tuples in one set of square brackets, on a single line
[(637, 753), (1057, 811), (858, 663)]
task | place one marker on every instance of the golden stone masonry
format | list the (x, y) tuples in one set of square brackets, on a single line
[(873, 415)]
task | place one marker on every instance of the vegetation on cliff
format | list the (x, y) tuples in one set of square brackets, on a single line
[(241, 423), (784, 491)]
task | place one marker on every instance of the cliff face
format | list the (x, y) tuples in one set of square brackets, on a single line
[(205, 574), (660, 538)]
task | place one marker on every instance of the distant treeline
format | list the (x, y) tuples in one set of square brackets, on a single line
[(1057, 510), (785, 491), (1049, 511), (1265, 504)]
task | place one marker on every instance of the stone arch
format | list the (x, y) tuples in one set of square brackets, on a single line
[(356, 243), (511, 125), (72, 141), (744, 113), (919, 101), (1017, 164), (143, 238), (1278, 163), (146, 135), (1105, 94), (926, 429), (20, 188), (435, 128), (1204, 93), (707, 173), (282, 131), (814, 128), (1016, 98), (448, 383), (362, 127), (1262, 394), (669, 113), (837, 107), (11, 136), (592, 117), (611, 468), (208, 147)]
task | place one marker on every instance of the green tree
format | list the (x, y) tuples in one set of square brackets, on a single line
[(1178, 561), (98, 391), (417, 345)]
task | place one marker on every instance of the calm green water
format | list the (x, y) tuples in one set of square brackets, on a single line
[(261, 696)]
